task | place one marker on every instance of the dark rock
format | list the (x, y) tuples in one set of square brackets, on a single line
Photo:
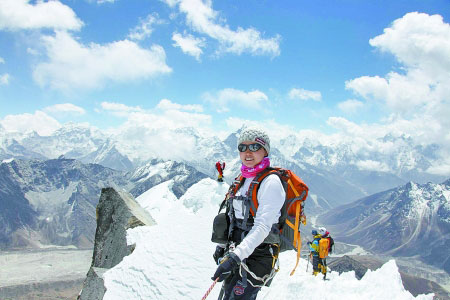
[(116, 212)]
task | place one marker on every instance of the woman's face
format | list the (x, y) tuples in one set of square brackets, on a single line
[(251, 159)]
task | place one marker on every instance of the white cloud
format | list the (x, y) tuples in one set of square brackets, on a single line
[(40, 122), (229, 96), (145, 28), (350, 106), (20, 14), (371, 165), (72, 65), (203, 19), (167, 114), (157, 130), (303, 94), (369, 87), (440, 167), (422, 44), (65, 108), (2, 61), (166, 104), (418, 97), (120, 109), (346, 126), (418, 41), (4, 79), (189, 44)]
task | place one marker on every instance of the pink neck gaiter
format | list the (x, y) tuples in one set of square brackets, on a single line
[(248, 172)]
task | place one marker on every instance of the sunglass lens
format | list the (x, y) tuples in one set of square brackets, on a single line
[(251, 147), (242, 147), (254, 147)]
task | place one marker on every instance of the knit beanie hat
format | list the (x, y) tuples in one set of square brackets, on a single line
[(257, 135)]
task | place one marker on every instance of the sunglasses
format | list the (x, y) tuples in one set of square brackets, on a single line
[(252, 147)]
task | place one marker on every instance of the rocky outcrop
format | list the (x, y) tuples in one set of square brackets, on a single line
[(117, 211)]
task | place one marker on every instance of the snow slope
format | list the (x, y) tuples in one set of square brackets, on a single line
[(173, 260)]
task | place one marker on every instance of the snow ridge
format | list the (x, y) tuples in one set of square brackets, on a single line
[(179, 248)]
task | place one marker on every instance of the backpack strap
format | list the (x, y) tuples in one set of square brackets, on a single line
[(237, 183), (253, 189), (295, 227)]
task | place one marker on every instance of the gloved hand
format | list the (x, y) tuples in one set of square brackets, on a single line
[(227, 265), (218, 254)]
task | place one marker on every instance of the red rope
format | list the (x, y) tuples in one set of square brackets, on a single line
[(210, 288)]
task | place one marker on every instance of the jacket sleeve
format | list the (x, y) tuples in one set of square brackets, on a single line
[(271, 198)]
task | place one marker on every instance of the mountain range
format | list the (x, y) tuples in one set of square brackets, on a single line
[(53, 202), (50, 185), (339, 171), (410, 220)]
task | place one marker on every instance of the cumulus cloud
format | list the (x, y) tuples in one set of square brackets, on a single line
[(203, 19), (369, 87), (20, 14), (72, 65), (4, 79), (350, 106), (189, 44), (418, 41), (348, 127), (166, 104), (145, 28), (421, 43), (120, 109), (371, 165), (159, 130), (418, 97), (65, 108), (223, 98), (2, 61), (40, 122), (167, 114), (395, 127), (303, 94)]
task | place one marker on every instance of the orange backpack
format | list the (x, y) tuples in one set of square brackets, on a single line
[(292, 212), (324, 245)]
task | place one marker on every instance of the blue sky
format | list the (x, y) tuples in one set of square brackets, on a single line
[(330, 66)]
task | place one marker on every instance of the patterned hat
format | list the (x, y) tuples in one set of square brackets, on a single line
[(257, 135)]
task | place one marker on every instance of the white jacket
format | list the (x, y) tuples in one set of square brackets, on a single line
[(271, 196)]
